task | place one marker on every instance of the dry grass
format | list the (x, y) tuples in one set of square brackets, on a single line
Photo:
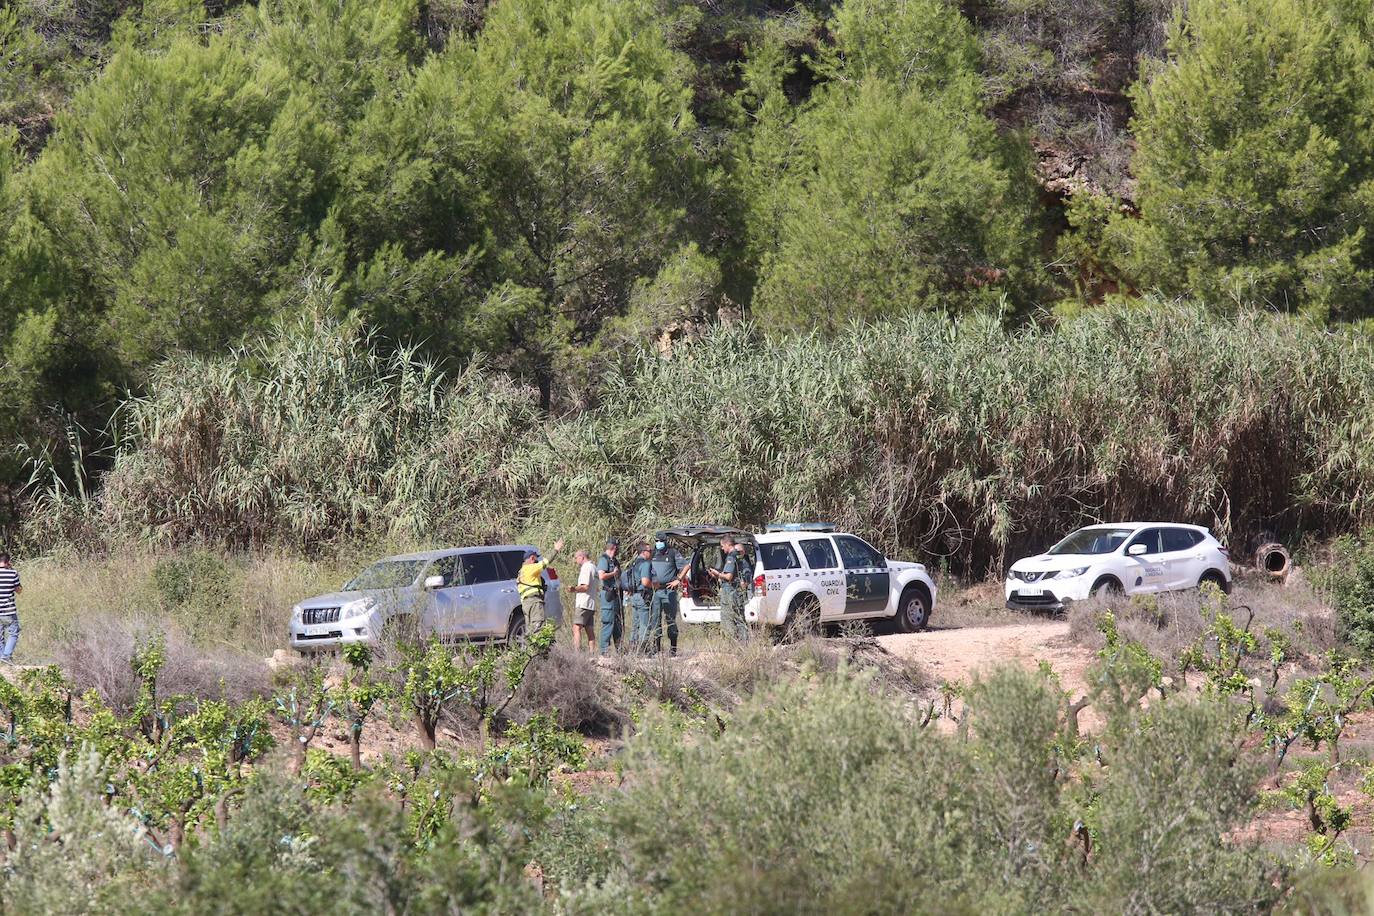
[(743, 669), (577, 688), (97, 656), (241, 603), (981, 604), (1170, 624)]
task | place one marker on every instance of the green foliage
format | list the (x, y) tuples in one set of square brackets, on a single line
[(1255, 160), (1348, 583), (919, 431), (995, 820), (1317, 709), (533, 750), (539, 189), (73, 853), (895, 192), (200, 577), (304, 706), (359, 695), (1221, 653), (423, 452), (580, 113), (1126, 671), (1311, 792), (1175, 781), (483, 679)]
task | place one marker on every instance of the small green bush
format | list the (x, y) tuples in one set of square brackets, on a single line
[(75, 854), (199, 577), (1348, 583)]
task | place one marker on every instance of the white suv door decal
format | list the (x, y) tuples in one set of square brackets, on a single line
[(866, 587), (820, 556), (1146, 572)]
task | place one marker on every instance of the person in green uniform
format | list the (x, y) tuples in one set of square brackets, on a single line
[(730, 591), (637, 593), (666, 569), (608, 579)]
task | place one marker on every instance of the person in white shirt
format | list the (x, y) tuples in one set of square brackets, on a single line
[(10, 586), (585, 611)]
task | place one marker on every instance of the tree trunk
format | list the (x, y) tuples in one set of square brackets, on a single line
[(1071, 715), (297, 755), (222, 812), (176, 834), (426, 729), (355, 747)]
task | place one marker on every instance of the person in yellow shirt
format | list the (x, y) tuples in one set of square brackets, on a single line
[(531, 585)]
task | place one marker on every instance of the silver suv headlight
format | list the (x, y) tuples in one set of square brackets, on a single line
[(354, 608), (296, 614)]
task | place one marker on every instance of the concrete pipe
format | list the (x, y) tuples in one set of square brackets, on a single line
[(1273, 560)]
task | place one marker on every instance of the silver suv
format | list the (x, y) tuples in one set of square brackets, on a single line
[(455, 593)]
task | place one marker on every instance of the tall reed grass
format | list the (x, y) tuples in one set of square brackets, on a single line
[(959, 439)]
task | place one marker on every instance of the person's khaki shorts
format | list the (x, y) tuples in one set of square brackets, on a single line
[(584, 616)]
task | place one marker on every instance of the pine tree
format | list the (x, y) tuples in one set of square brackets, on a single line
[(1254, 161)]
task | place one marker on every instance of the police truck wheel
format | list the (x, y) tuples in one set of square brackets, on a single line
[(803, 619), (515, 630), (913, 611)]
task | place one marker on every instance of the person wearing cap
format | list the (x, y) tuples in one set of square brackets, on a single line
[(729, 583), (608, 575), (636, 592), (531, 586), (666, 570)]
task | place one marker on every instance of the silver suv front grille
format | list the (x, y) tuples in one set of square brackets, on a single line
[(313, 615)]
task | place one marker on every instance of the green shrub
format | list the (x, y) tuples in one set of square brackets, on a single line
[(200, 577), (1348, 583), (820, 798), (1253, 162), (75, 854)]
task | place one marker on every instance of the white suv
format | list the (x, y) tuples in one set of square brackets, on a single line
[(811, 572), (1127, 559)]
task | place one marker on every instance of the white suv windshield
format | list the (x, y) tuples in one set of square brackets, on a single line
[(386, 574), (1092, 541)]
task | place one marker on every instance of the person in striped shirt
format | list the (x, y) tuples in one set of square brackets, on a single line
[(9, 611)]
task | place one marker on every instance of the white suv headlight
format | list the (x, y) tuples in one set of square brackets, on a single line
[(1070, 573)]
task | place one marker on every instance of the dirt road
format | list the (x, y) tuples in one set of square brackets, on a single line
[(956, 654)]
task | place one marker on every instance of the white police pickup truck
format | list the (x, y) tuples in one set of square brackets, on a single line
[(810, 573)]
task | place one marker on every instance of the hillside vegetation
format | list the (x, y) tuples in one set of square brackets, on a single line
[(549, 189), (288, 284), (951, 438)]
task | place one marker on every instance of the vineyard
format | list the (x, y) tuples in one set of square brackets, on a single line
[(422, 778)]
